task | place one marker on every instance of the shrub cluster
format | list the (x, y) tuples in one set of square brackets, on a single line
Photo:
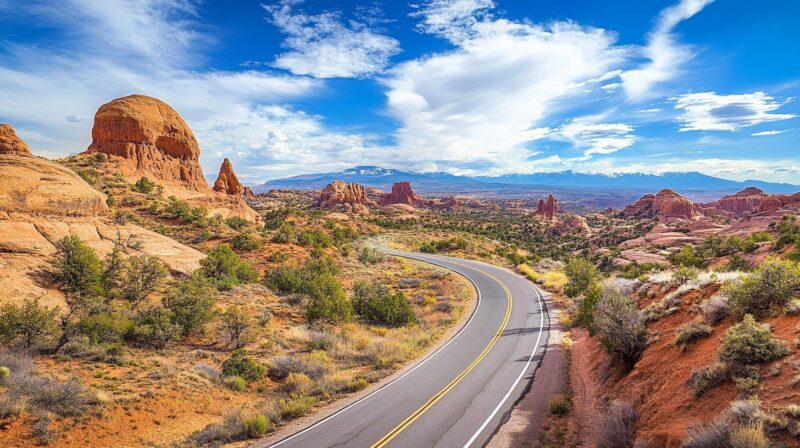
[(377, 305), (316, 278), (224, 267), (750, 342), (241, 365), (620, 326), (769, 289), (446, 245)]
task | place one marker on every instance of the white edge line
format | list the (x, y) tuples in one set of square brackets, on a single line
[(427, 358), (519, 378)]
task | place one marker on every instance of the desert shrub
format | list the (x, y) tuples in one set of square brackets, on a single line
[(581, 273), (236, 223), (237, 322), (66, 399), (245, 242), (749, 435), (370, 255), (231, 429), (616, 427), (715, 434), (715, 309), (235, 383), (105, 327), (707, 377), (683, 274), (559, 405), (285, 234), (377, 305), (143, 185), (750, 342), (43, 429), (27, 325), (687, 256), (343, 235), (141, 278), (621, 327), (242, 365), (587, 306), (76, 268), (256, 426), (327, 300), (177, 208), (297, 382), (191, 303), (771, 287), (446, 245), (296, 406), (282, 366), (314, 238), (224, 267), (691, 332), (10, 406), (154, 327)]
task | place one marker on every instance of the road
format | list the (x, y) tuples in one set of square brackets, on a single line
[(459, 395)]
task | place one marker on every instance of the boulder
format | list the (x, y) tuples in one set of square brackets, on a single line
[(227, 182), (401, 193), (10, 143), (152, 140)]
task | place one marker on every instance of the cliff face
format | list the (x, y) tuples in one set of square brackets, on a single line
[(401, 193), (10, 143), (152, 138)]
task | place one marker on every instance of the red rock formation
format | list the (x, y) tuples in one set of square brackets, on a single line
[(338, 195), (227, 182), (152, 137), (10, 143), (575, 223), (549, 208), (751, 201), (401, 194), (664, 205)]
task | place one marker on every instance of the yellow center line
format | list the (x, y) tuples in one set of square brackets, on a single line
[(428, 404)]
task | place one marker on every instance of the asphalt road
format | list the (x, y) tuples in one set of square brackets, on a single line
[(460, 394)]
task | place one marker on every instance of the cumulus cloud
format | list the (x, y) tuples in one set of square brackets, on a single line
[(323, 46), (708, 111), (485, 101), (598, 138), (665, 55)]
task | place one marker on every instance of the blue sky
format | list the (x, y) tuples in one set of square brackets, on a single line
[(464, 86)]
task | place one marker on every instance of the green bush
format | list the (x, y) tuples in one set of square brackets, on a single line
[(344, 235), (621, 327), (154, 327), (143, 185), (587, 307), (28, 324), (687, 257), (377, 305), (242, 365), (314, 238), (191, 303), (235, 383), (236, 321), (256, 426), (683, 274), (236, 223), (559, 405), (177, 208), (691, 332), (446, 245), (327, 300), (296, 406), (581, 273), (285, 234), (770, 288), (291, 279), (224, 267), (76, 268), (370, 255), (141, 277), (105, 328), (749, 342), (245, 242), (704, 378)]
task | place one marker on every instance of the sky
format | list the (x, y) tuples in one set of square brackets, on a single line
[(470, 87)]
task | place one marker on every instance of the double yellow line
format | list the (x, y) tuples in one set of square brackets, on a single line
[(428, 404)]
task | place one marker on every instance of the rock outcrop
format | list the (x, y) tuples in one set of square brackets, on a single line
[(666, 205), (575, 224), (549, 208), (10, 143), (151, 138), (228, 183), (338, 195), (401, 193), (751, 201)]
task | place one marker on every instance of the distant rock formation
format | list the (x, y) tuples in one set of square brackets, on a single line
[(10, 143), (228, 183), (575, 224), (341, 196), (751, 201), (401, 193), (665, 205), (152, 138), (548, 209)]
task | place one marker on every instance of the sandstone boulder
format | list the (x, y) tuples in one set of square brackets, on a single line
[(401, 193), (10, 143), (152, 140)]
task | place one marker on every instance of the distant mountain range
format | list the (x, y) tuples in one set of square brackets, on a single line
[(692, 184)]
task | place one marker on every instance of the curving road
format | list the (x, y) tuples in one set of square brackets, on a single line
[(460, 394)]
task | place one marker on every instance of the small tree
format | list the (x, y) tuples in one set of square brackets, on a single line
[(143, 185), (327, 300), (191, 303), (29, 324), (142, 277), (621, 327), (154, 327), (224, 267), (237, 322), (110, 278), (377, 305), (581, 273), (242, 365), (76, 268)]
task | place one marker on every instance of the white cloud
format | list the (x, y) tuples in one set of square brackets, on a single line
[(767, 133), (481, 105), (665, 55), (708, 111), (323, 46), (598, 138)]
